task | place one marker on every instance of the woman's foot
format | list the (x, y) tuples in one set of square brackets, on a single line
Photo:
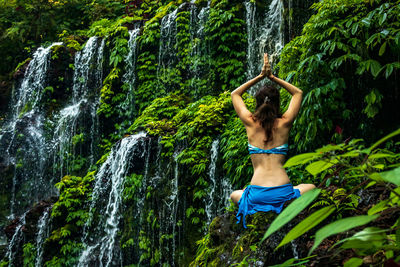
[(304, 188), (236, 195)]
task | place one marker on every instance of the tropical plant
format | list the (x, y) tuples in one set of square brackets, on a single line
[(376, 167)]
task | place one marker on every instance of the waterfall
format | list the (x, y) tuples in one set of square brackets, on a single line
[(168, 213), (87, 78), (199, 49), (252, 34), (22, 140), (107, 199), (295, 249), (265, 38), (210, 205), (174, 202), (96, 103), (15, 240), (219, 189), (225, 191), (31, 90), (167, 53), (272, 35), (129, 78), (84, 61), (42, 234)]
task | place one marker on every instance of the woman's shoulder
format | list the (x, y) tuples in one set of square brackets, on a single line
[(281, 123)]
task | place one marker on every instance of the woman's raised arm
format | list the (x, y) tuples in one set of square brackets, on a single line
[(295, 103), (240, 107)]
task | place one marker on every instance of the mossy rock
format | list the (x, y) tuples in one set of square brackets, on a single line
[(228, 242)]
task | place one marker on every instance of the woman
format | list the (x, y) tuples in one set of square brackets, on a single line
[(267, 132)]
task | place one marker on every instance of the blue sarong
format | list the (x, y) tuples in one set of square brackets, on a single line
[(260, 198)]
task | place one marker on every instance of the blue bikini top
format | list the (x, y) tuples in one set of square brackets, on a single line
[(283, 149)]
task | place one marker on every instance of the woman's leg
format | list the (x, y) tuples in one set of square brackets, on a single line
[(304, 187), (236, 195)]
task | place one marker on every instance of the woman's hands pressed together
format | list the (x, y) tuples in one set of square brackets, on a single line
[(266, 69)]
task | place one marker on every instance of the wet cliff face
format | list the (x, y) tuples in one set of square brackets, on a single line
[(73, 131), (296, 13)]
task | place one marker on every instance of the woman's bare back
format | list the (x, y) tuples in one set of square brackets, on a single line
[(268, 168)]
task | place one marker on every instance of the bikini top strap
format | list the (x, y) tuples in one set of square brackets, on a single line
[(283, 149)]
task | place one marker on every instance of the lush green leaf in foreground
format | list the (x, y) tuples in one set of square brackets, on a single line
[(307, 224), (291, 211), (340, 226)]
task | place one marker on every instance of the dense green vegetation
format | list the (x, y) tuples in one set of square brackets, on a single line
[(346, 61)]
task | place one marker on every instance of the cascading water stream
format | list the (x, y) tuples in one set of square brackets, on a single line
[(265, 38), (252, 34), (42, 234), (86, 79), (210, 205), (22, 140), (198, 44), (168, 213), (28, 95), (219, 190), (94, 129), (167, 54), (174, 203), (15, 241), (129, 78), (225, 191), (272, 35), (108, 191)]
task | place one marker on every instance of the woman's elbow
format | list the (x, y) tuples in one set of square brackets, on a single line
[(233, 94)]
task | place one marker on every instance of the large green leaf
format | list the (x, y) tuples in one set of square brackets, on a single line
[(397, 132), (368, 238), (291, 211), (301, 159), (329, 148), (306, 224), (382, 205), (353, 262), (381, 155), (318, 166), (340, 226), (392, 176)]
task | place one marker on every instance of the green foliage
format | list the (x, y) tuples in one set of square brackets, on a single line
[(107, 98), (345, 61), (203, 251), (307, 224), (30, 23), (74, 191), (340, 226), (78, 138), (345, 163), (291, 211), (359, 167), (161, 109), (29, 255), (225, 34), (339, 199), (196, 124), (70, 214), (68, 255), (131, 186)]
